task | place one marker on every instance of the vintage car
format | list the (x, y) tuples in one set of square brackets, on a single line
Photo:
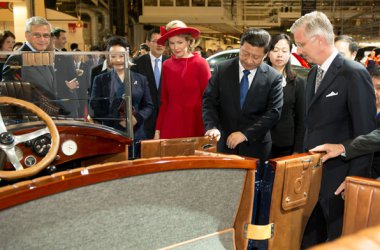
[(71, 183)]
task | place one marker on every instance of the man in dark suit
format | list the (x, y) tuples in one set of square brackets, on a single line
[(67, 82), (340, 104), (243, 124), (83, 75), (37, 34), (145, 65)]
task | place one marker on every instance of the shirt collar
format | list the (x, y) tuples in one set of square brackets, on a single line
[(152, 57), (325, 66), (30, 46), (241, 68)]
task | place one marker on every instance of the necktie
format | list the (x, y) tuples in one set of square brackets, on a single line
[(319, 78), (244, 87), (157, 72)]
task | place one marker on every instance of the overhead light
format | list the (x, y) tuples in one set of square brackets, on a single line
[(79, 23)]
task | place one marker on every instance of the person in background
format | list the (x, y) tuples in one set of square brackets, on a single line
[(144, 49), (74, 47), (16, 46), (7, 40), (150, 65), (107, 97), (346, 46), (184, 78), (371, 61), (287, 134), (83, 77), (200, 51), (243, 99), (66, 76), (340, 104)]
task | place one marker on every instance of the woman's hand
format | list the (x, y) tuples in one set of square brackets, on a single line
[(156, 135)]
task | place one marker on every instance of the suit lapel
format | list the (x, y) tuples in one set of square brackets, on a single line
[(310, 86), (233, 82), (328, 78)]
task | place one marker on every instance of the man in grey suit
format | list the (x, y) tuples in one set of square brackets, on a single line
[(146, 65), (340, 104), (243, 99), (37, 34)]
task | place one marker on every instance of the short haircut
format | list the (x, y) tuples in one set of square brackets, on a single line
[(315, 23), (117, 40), (151, 32), (257, 38), (35, 20), (352, 45), (57, 32)]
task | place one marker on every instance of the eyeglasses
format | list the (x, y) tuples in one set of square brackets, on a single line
[(302, 45), (39, 35)]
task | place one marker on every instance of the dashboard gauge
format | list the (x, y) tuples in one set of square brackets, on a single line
[(30, 160), (69, 147), (41, 145)]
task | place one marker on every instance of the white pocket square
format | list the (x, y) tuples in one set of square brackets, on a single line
[(332, 94)]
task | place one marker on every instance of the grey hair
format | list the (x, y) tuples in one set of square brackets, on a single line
[(315, 23), (35, 20)]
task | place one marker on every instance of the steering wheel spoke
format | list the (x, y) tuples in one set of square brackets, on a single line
[(31, 136), (2, 125), (12, 157)]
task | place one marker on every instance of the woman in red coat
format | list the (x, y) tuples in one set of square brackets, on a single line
[(184, 78)]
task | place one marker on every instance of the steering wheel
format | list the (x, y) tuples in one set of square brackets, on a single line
[(8, 141)]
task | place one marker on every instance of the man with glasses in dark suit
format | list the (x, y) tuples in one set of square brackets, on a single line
[(340, 104)]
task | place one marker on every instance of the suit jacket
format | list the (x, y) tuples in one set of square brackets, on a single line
[(290, 130), (342, 108), (363, 144), (143, 66), (107, 106), (42, 77), (84, 84), (65, 71), (261, 109)]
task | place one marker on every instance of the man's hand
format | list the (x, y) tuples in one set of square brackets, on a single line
[(340, 190), (213, 133), (235, 139), (332, 150), (73, 84)]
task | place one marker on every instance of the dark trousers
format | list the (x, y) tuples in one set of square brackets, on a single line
[(325, 222)]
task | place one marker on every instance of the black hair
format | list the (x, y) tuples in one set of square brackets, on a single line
[(257, 38), (144, 46), (289, 73), (74, 46), (117, 40), (151, 32), (4, 36), (57, 32)]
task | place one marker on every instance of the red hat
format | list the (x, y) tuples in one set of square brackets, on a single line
[(175, 31)]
